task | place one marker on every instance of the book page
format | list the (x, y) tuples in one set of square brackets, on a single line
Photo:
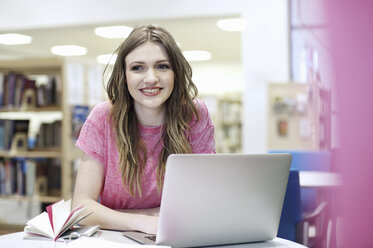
[(72, 219), (60, 213), (50, 214), (40, 225)]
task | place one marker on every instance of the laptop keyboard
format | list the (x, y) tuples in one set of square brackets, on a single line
[(151, 237)]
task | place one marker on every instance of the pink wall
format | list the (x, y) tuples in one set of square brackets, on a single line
[(351, 23)]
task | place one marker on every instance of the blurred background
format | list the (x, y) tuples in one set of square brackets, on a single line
[(264, 69)]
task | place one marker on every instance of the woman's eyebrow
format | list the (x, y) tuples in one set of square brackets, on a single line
[(162, 60), (156, 62), (137, 62)]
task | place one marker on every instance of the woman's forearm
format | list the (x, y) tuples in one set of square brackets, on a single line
[(144, 220), (88, 186)]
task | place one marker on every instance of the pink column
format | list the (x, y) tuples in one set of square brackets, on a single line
[(351, 23)]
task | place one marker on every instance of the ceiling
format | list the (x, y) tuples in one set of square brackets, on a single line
[(191, 34)]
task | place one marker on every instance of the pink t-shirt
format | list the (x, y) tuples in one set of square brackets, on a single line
[(97, 140)]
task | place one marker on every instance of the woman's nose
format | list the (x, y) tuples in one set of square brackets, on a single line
[(151, 76)]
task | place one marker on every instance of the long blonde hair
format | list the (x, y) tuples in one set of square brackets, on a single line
[(180, 109)]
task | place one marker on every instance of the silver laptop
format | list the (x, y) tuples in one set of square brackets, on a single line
[(215, 199)]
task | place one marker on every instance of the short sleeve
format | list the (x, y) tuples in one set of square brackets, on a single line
[(202, 131), (91, 139)]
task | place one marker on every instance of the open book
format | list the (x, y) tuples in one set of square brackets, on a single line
[(56, 220)]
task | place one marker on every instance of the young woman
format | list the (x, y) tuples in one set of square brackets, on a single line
[(152, 112)]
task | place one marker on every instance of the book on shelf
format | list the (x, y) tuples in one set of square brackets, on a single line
[(2, 88), (79, 115), (11, 89), (56, 220), (28, 94), (30, 177), (41, 179), (18, 91), (2, 134), (49, 135), (17, 177), (8, 133), (47, 92), (8, 128)]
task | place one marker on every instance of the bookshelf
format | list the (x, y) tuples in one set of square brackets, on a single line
[(55, 87), (226, 113), (31, 154)]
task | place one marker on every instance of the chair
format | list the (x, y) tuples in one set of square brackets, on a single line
[(308, 161), (296, 225), (304, 216), (291, 214)]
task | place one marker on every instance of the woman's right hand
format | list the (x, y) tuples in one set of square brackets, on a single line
[(149, 225), (146, 221)]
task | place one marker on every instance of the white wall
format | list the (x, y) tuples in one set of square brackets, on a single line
[(265, 51), (218, 78)]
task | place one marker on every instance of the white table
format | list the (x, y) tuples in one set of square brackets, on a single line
[(325, 184), (319, 179), (16, 240)]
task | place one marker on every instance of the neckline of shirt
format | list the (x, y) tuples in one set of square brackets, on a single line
[(150, 129)]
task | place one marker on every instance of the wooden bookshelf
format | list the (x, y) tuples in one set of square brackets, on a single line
[(6, 228), (31, 109), (43, 199), (33, 66), (65, 153), (226, 112), (31, 154)]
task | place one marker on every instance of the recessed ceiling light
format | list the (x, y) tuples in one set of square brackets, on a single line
[(234, 24), (107, 59), (197, 55), (113, 32), (14, 39), (69, 50)]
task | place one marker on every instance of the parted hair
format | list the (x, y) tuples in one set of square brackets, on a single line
[(180, 109)]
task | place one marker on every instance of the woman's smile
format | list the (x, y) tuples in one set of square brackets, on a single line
[(151, 91)]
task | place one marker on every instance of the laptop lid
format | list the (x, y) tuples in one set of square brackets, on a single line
[(213, 199)]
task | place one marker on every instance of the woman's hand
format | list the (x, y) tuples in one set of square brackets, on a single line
[(149, 225), (146, 221)]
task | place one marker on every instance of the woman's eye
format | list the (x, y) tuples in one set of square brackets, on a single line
[(136, 68), (163, 66)]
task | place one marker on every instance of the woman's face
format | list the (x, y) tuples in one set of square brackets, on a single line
[(150, 78)]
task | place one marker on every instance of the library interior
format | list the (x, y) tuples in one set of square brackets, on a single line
[(264, 69)]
